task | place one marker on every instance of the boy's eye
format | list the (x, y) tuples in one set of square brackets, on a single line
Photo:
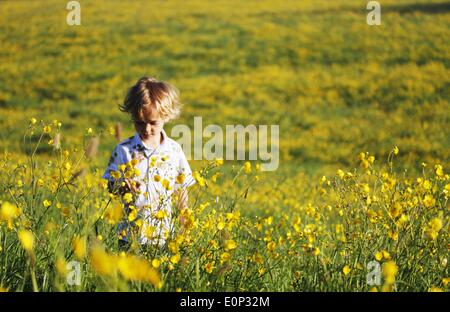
[(142, 123)]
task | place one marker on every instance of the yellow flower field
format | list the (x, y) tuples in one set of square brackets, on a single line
[(242, 231)]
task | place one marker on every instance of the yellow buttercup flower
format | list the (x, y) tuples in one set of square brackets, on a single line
[(180, 178), (439, 171), (346, 270), (102, 262), (8, 212), (79, 247), (390, 270), (362, 156), (175, 258), (132, 215), (209, 267), (230, 244), (386, 255), (116, 175), (436, 224), (149, 232), (114, 213), (379, 256), (426, 185), (396, 209), (161, 214), (200, 180), (429, 201), (435, 289), (26, 239), (393, 235), (224, 257), (271, 246), (128, 198), (446, 281), (134, 268), (166, 184), (156, 263), (247, 167), (220, 225), (365, 164)]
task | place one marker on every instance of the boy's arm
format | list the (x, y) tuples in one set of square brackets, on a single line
[(182, 195), (116, 188)]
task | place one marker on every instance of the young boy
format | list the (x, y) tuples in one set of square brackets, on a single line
[(148, 168)]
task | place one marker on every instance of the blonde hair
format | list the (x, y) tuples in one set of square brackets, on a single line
[(149, 91)]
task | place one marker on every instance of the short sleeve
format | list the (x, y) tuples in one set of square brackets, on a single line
[(115, 160), (185, 169)]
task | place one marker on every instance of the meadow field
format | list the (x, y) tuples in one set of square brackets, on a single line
[(359, 201)]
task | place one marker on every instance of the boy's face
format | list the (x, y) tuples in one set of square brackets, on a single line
[(148, 123)]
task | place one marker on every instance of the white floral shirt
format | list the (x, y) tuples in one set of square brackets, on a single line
[(161, 171)]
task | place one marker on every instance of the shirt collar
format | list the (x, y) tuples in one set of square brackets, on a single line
[(147, 150)]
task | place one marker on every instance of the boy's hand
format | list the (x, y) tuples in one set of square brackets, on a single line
[(182, 221), (132, 187)]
